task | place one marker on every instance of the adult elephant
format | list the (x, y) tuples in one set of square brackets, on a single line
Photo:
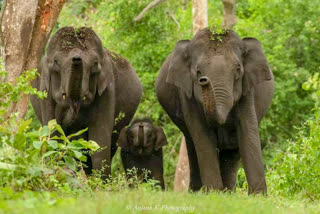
[(216, 88), (88, 86)]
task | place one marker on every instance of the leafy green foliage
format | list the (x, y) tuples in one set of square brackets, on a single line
[(28, 157), (312, 85), (297, 170), (12, 92)]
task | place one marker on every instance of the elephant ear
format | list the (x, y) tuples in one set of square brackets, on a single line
[(179, 68), (44, 74), (256, 68), (105, 78), (161, 139), (123, 142)]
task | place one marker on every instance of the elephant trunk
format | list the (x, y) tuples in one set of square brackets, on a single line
[(212, 111), (75, 80), (208, 95), (74, 87), (141, 135)]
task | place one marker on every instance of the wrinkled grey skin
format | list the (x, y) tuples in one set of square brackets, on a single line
[(141, 147), (217, 92), (88, 86)]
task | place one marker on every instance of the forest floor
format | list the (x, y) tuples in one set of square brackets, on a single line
[(146, 201)]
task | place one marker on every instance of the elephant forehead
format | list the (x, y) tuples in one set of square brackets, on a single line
[(69, 38), (146, 127), (206, 61)]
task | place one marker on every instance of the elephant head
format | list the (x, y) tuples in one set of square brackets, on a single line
[(142, 138), (75, 69), (217, 70)]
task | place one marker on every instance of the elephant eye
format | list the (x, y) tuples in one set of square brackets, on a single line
[(198, 72)]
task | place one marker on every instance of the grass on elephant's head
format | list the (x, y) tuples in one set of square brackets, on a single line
[(147, 201)]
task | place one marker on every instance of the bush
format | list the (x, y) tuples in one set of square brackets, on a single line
[(38, 160), (296, 172)]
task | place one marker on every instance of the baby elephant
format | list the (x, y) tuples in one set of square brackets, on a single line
[(141, 147)]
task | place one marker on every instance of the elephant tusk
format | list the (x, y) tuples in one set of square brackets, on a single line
[(84, 98), (64, 97)]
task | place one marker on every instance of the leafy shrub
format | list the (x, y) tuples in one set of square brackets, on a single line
[(10, 93), (40, 159), (296, 172)]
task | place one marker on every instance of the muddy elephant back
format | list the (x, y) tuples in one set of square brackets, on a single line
[(128, 88)]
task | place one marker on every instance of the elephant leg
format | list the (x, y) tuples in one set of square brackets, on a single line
[(156, 168), (205, 144), (100, 130), (229, 163), (101, 160), (195, 179), (250, 146)]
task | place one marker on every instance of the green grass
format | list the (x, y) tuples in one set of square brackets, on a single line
[(143, 201)]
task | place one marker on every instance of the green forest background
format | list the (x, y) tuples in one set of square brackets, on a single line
[(290, 133)]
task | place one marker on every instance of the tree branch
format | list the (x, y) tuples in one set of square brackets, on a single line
[(151, 5), (25, 29), (173, 18), (229, 13)]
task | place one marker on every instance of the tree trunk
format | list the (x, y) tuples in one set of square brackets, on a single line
[(182, 174), (199, 15), (229, 13), (25, 30)]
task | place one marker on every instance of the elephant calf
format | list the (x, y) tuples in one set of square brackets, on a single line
[(141, 147), (88, 86), (216, 88)]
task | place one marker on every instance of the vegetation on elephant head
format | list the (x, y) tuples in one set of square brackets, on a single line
[(217, 33), (68, 38)]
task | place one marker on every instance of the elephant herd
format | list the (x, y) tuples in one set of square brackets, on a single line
[(216, 90)]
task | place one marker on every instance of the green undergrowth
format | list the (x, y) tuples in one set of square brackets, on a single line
[(146, 201)]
